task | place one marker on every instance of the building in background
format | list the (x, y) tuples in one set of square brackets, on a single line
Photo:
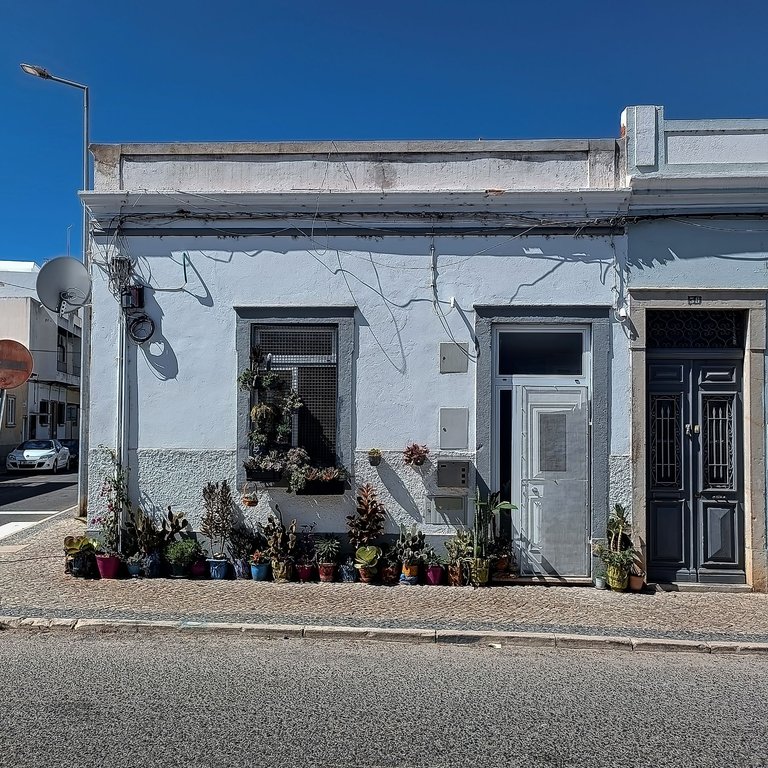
[(47, 406)]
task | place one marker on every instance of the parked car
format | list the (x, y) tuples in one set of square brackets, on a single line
[(74, 451), (38, 456)]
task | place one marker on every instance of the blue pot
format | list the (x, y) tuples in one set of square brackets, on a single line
[(153, 565), (134, 569), (218, 568), (260, 572), (242, 568), (347, 572)]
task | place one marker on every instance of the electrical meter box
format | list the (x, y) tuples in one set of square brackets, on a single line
[(447, 510), (454, 429), (454, 357), (452, 474)]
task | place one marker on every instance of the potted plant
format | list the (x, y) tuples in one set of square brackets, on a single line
[(434, 566), (249, 496), (460, 549), (181, 555), (327, 549), (390, 565), (374, 457), (366, 525), (133, 563), (108, 558), (600, 578), (306, 553), (366, 562), (485, 525), (409, 547), (144, 537), (415, 454), (80, 556), (347, 571), (319, 481), (216, 525), (636, 579), (281, 546), (242, 542), (617, 554), (260, 565)]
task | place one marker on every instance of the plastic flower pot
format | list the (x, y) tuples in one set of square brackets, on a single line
[(242, 568), (481, 572), (435, 574), (109, 566), (374, 461), (260, 571), (305, 572), (617, 578), (81, 566), (327, 571), (179, 571), (199, 569), (348, 572), (134, 570), (455, 575), (636, 582), (599, 582), (153, 565), (390, 574), (218, 568), (281, 571)]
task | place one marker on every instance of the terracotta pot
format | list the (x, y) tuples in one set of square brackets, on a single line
[(435, 574), (327, 571), (636, 582), (109, 566), (305, 572), (367, 575), (282, 571), (390, 574), (501, 565)]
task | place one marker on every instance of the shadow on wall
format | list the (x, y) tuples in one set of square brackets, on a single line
[(399, 492), (158, 351)]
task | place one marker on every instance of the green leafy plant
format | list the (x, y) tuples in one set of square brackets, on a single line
[(374, 453), (367, 557), (367, 524), (281, 541), (217, 519), (244, 539), (430, 557), (184, 552), (410, 544), (486, 510), (327, 548), (460, 547), (260, 557), (617, 553), (78, 545), (306, 551)]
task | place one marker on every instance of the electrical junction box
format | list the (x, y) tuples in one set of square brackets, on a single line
[(454, 429), (452, 474), (454, 357), (447, 510)]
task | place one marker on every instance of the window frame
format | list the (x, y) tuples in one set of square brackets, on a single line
[(10, 411), (343, 318)]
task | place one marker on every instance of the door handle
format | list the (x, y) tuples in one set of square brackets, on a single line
[(688, 430), (692, 429)]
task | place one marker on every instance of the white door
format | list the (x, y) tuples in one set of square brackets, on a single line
[(552, 479)]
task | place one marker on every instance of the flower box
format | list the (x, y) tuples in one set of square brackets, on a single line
[(263, 475)]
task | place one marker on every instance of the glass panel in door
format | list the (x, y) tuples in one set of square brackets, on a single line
[(553, 464)]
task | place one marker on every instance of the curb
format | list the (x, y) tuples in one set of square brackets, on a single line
[(411, 635)]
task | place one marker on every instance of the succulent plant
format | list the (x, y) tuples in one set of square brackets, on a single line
[(327, 548), (415, 454), (367, 557), (410, 545)]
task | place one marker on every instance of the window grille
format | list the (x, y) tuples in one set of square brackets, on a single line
[(305, 357), (665, 445), (695, 329)]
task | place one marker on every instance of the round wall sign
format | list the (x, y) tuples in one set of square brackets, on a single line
[(15, 364)]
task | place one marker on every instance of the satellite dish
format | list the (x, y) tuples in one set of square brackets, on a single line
[(63, 285), (15, 364)]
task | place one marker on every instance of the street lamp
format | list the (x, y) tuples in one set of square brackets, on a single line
[(85, 342)]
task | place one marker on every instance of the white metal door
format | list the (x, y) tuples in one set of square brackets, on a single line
[(551, 478)]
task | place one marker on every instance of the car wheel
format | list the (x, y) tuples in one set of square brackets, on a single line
[(55, 467), (66, 466)]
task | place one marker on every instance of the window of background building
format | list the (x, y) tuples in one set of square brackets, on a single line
[(10, 411)]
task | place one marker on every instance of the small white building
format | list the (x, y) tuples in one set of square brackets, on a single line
[(48, 405), (475, 297)]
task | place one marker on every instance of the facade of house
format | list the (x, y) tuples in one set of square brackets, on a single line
[(48, 405), (491, 300)]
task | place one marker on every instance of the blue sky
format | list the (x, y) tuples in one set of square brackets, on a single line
[(253, 70)]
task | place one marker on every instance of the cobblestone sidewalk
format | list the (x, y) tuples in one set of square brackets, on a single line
[(33, 583)]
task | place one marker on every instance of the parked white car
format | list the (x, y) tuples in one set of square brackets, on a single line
[(38, 456)]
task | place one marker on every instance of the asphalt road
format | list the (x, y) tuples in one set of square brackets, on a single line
[(207, 701), (31, 492)]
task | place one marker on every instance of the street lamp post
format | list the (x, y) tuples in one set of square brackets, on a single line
[(85, 341)]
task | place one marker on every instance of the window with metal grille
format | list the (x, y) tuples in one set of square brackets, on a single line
[(305, 357), (695, 329)]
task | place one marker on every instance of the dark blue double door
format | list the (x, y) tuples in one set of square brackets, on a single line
[(694, 467)]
